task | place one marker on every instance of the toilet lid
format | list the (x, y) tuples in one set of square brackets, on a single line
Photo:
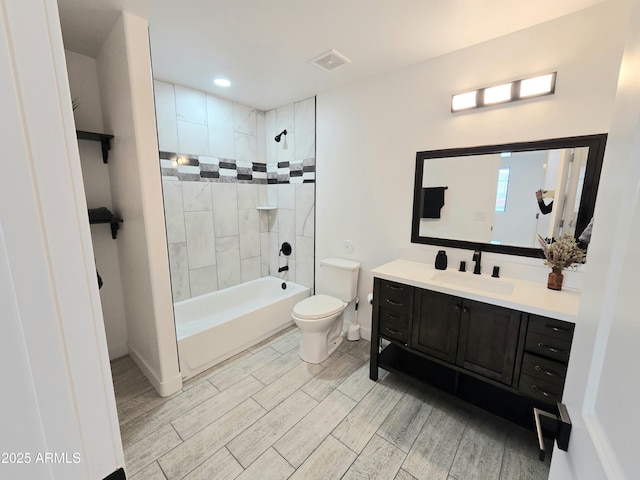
[(318, 306)]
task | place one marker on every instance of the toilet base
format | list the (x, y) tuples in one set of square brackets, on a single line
[(314, 347)]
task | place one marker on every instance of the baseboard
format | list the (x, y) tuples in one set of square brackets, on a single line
[(164, 388), (365, 333), (117, 475)]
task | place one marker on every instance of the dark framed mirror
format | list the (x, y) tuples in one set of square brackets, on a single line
[(486, 197)]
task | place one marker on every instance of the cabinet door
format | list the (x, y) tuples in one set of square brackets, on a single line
[(436, 324), (488, 340)]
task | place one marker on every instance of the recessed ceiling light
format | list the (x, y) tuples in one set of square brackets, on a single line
[(222, 82), (501, 93), (463, 101)]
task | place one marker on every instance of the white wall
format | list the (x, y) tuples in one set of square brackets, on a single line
[(83, 82), (126, 90), (368, 133)]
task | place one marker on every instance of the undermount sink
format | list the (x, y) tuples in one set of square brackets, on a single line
[(476, 282)]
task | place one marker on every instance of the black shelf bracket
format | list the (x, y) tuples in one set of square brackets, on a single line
[(103, 138)]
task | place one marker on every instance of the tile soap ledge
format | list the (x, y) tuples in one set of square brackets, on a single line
[(530, 297), (266, 207)]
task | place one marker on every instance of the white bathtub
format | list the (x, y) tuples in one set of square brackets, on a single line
[(215, 326)]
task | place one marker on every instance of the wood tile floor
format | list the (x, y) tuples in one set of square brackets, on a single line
[(264, 414)]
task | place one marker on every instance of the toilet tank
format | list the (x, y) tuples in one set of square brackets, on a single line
[(338, 278)]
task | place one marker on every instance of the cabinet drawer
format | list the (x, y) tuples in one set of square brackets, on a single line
[(540, 389), (549, 347), (395, 295), (397, 317), (551, 327), (394, 332), (544, 369)]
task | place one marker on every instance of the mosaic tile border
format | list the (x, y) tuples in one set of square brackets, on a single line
[(194, 168)]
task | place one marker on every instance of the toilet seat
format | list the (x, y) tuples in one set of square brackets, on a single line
[(318, 306)]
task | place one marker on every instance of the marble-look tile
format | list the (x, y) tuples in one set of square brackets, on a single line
[(299, 442), (220, 123), (404, 423), (197, 449), (270, 465), (152, 472), (520, 458), (287, 227), (260, 436), (225, 209), (250, 269), (305, 209), (275, 369), (215, 406), (433, 451), (305, 261), (285, 121), (481, 450), (145, 452), (165, 101), (358, 384), (191, 106), (270, 132), (305, 129), (174, 211), (378, 460), (145, 425), (264, 252), (179, 270), (249, 196), (286, 196), (336, 372), (244, 119), (196, 196), (272, 193), (192, 139), (201, 244), (220, 466), (203, 280), (274, 248), (228, 258), (330, 461), (246, 147), (282, 388), (356, 430), (263, 198), (249, 226), (237, 372)]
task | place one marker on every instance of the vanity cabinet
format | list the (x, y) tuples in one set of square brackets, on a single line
[(522, 354)]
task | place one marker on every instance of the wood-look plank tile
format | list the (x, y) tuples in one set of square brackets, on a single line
[(124, 366), (520, 458), (405, 421), (360, 349), (278, 367), (165, 413), (299, 442), (260, 436), (403, 475), (433, 452), (358, 427), (358, 384), (243, 368), (283, 387), (152, 472), (132, 405), (229, 362), (288, 342), (129, 391), (220, 466), (214, 407), (273, 338), (329, 461), (481, 449), (146, 451), (333, 375), (195, 450), (269, 466), (378, 460)]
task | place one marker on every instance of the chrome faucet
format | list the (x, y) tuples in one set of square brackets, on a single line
[(477, 256)]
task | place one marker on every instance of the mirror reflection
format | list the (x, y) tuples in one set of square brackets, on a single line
[(499, 198)]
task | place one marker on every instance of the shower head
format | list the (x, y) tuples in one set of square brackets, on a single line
[(279, 136)]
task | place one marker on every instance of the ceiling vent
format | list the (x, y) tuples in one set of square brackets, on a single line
[(330, 60)]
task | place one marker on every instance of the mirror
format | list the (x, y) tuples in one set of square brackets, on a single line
[(485, 197)]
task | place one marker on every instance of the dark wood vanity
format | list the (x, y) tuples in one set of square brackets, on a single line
[(505, 360)]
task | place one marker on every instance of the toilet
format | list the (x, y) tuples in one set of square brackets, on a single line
[(320, 316)]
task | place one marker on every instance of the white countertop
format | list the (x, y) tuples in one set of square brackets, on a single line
[(512, 293)]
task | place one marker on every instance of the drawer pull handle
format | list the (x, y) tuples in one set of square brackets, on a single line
[(535, 387), (395, 304), (538, 368), (551, 349), (557, 329), (392, 332), (393, 317), (395, 287)]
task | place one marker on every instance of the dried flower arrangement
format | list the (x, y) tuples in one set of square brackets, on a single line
[(563, 253)]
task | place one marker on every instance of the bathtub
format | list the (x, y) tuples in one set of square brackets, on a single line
[(215, 326)]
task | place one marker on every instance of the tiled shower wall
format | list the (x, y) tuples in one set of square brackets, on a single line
[(219, 162)]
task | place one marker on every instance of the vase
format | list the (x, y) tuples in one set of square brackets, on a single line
[(555, 279)]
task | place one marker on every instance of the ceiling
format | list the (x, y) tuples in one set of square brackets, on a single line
[(264, 46)]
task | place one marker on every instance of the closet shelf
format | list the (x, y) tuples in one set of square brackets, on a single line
[(103, 138), (103, 215)]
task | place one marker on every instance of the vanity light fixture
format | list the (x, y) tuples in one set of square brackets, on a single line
[(507, 92)]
